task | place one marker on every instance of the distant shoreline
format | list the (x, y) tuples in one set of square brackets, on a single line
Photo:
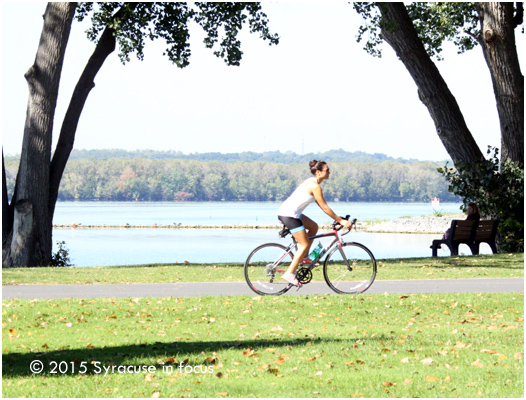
[(423, 224)]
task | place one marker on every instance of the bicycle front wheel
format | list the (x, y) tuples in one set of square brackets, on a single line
[(264, 267), (351, 269)]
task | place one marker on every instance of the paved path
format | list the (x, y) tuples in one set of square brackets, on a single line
[(241, 288)]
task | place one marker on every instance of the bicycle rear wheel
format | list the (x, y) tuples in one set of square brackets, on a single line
[(264, 267), (356, 276)]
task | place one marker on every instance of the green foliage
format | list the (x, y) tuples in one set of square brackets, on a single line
[(438, 213), (133, 23), (61, 257), (435, 24), (499, 193), (123, 179)]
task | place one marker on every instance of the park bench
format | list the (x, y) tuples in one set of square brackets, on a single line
[(471, 233), (486, 233)]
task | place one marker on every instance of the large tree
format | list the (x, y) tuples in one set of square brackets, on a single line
[(27, 220), (416, 32)]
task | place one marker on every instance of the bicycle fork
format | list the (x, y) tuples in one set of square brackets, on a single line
[(340, 248)]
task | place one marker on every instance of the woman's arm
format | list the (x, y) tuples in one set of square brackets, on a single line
[(320, 200)]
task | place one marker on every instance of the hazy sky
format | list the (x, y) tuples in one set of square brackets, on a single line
[(316, 91)]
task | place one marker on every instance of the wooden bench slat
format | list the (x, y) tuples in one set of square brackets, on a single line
[(471, 233)]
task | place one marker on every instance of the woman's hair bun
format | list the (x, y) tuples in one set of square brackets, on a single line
[(316, 165)]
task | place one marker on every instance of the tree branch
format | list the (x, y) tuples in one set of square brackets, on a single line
[(104, 48), (518, 18)]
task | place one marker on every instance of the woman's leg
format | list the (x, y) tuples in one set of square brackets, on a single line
[(304, 243), (302, 238), (312, 229)]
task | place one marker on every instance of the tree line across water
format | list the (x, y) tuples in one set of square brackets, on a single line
[(134, 176)]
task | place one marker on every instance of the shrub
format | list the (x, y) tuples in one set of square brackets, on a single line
[(61, 257), (498, 189)]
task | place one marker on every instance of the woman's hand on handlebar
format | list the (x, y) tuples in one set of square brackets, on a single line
[(345, 223)]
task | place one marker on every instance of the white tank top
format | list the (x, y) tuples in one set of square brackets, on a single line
[(297, 201)]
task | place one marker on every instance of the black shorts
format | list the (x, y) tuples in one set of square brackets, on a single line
[(294, 224)]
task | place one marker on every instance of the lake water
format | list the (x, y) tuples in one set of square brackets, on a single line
[(103, 247), (224, 213)]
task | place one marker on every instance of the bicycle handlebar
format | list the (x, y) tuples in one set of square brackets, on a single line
[(337, 226)]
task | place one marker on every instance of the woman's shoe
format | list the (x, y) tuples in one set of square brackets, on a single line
[(291, 278)]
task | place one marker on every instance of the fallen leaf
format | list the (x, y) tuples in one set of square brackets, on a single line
[(318, 373), (489, 351), (281, 360), (276, 328), (386, 384), (477, 363), (408, 381), (249, 352), (404, 360), (156, 394), (432, 379), (518, 356), (427, 361)]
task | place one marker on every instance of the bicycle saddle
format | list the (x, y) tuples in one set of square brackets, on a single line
[(284, 232)]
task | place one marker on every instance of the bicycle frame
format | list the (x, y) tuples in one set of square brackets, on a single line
[(337, 240)]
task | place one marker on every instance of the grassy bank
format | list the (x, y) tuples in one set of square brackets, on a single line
[(482, 266), (440, 345)]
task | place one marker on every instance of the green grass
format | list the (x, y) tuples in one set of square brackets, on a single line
[(484, 266), (439, 345)]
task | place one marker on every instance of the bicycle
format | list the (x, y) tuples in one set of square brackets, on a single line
[(348, 271)]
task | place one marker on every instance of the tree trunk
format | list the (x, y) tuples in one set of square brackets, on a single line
[(500, 51), (22, 234), (399, 32), (33, 174), (104, 48), (6, 228)]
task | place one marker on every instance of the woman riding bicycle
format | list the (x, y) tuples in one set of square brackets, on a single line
[(302, 227)]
